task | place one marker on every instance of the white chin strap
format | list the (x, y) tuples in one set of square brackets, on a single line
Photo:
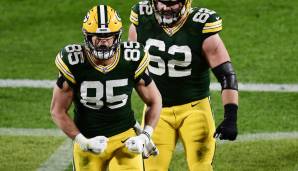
[(103, 55)]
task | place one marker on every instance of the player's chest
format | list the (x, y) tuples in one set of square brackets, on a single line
[(185, 42), (179, 48), (119, 75), (96, 89)]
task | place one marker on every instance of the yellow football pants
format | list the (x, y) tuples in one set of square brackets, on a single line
[(193, 123), (116, 157)]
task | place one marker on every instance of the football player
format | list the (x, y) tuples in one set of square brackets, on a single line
[(98, 77), (183, 43)]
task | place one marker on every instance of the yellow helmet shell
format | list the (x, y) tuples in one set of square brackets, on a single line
[(102, 19)]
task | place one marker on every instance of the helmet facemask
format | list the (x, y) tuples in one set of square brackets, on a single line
[(103, 51), (169, 17)]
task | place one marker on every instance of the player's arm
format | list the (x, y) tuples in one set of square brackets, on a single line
[(132, 34), (219, 60), (61, 101), (149, 93), (134, 19)]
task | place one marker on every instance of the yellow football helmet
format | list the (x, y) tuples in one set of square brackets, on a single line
[(170, 18), (102, 21)]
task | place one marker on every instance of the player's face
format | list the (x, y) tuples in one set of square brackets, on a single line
[(103, 45), (168, 8), (100, 42)]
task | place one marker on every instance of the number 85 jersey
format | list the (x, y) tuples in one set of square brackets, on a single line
[(102, 94), (177, 65)]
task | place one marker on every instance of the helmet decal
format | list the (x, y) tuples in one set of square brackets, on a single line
[(86, 17)]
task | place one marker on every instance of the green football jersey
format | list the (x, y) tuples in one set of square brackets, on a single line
[(177, 65), (102, 94)]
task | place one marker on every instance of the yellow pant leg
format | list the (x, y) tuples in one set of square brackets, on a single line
[(122, 159), (196, 133), (115, 157), (165, 138), (88, 161)]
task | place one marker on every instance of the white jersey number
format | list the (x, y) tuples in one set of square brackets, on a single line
[(75, 54), (95, 101), (131, 52), (202, 15), (145, 8), (161, 65)]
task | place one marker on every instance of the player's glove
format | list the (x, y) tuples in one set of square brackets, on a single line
[(136, 144), (150, 148), (97, 144), (227, 129)]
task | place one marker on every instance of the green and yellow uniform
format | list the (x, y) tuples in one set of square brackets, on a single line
[(102, 98), (181, 74)]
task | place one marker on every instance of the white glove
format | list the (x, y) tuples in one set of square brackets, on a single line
[(97, 144), (150, 147), (136, 144)]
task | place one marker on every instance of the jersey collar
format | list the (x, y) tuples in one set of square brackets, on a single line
[(101, 68), (171, 31)]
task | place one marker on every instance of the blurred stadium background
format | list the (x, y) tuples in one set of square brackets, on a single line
[(261, 36)]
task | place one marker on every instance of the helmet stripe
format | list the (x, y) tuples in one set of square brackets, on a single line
[(106, 15), (102, 16)]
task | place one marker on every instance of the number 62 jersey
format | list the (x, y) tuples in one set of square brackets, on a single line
[(177, 65), (102, 94)]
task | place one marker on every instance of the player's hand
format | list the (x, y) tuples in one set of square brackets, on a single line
[(136, 144), (227, 129), (150, 149), (96, 144)]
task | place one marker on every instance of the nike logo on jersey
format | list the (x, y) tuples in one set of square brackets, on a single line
[(217, 18)]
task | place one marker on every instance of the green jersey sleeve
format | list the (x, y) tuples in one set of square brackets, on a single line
[(212, 22), (134, 14), (139, 10), (135, 54), (67, 59), (142, 64)]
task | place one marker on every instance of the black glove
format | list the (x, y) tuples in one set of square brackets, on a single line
[(227, 129)]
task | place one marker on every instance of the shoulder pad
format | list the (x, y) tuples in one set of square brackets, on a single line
[(211, 21), (68, 57), (71, 49), (134, 53), (145, 8), (141, 8), (132, 45), (72, 54)]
